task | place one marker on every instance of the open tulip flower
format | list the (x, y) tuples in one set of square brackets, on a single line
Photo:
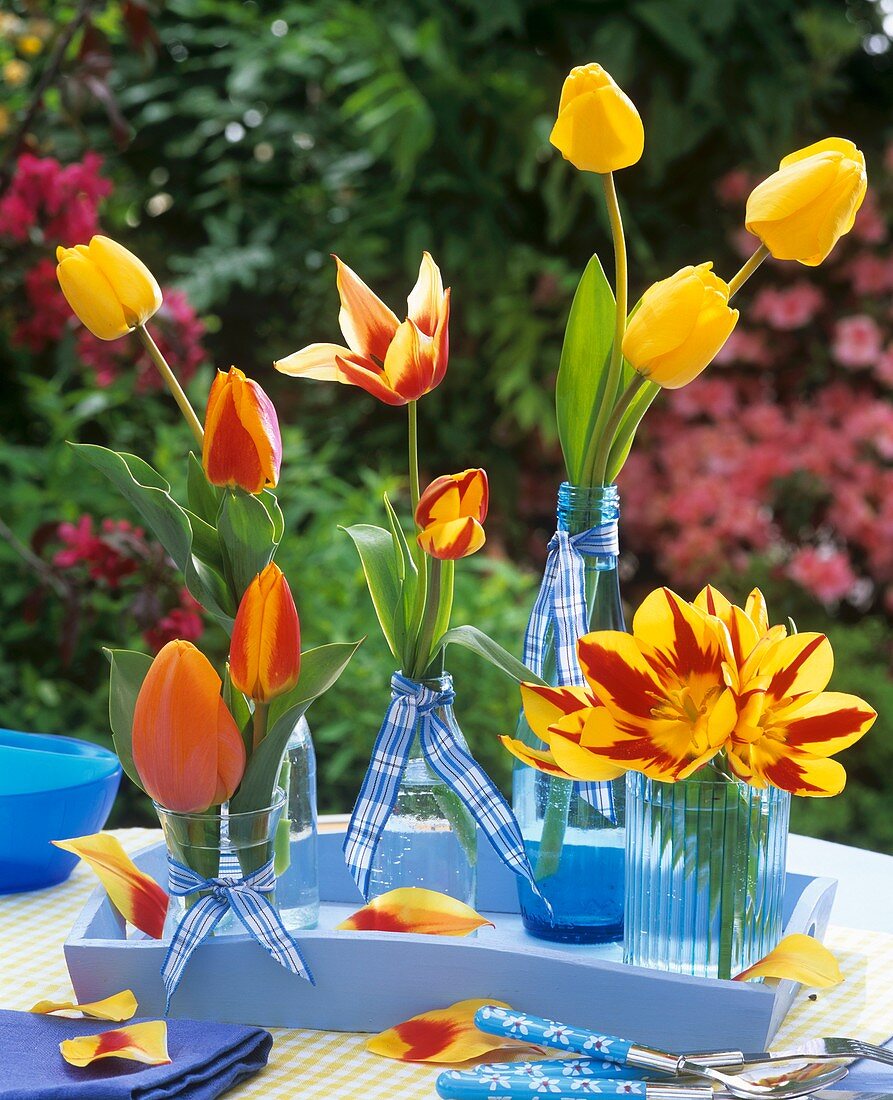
[(788, 725), (802, 210), (265, 652), (396, 361), (187, 748), (109, 289), (451, 513), (680, 326), (598, 128), (242, 445)]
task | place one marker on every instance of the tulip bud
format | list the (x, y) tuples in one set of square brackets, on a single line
[(801, 211), (451, 512), (265, 652), (680, 325), (598, 128), (242, 445), (187, 748), (108, 288)]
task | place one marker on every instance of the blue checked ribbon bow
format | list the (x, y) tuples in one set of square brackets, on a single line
[(561, 606), (414, 704), (244, 895)]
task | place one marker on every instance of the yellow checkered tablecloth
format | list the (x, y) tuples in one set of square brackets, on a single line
[(319, 1065)]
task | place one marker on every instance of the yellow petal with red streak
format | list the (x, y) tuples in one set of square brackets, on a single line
[(442, 1035), (367, 323), (120, 1006), (797, 665), (137, 896), (542, 761), (145, 1042), (414, 909), (545, 705), (798, 958)]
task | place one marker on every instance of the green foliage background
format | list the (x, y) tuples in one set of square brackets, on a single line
[(265, 137)]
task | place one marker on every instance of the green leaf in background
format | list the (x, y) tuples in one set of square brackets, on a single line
[(203, 497), (320, 668), (239, 709), (380, 566), (580, 387), (478, 642), (128, 670), (247, 539)]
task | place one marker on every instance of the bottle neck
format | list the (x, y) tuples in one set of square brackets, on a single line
[(581, 507)]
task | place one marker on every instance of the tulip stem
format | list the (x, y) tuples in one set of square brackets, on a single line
[(414, 488), (172, 384), (591, 465), (747, 270), (606, 441), (259, 723), (423, 652)]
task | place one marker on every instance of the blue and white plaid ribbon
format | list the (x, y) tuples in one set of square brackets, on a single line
[(244, 895), (414, 704), (560, 606)]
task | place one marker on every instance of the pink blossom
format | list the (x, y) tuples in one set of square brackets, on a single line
[(870, 225), (823, 571), (883, 368), (857, 341), (734, 186), (870, 275), (791, 308), (715, 397), (744, 346), (183, 622)]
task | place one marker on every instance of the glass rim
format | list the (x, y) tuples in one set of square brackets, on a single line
[(277, 803)]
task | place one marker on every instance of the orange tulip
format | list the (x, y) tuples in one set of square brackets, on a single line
[(451, 513), (187, 747), (395, 361), (242, 445), (265, 652)]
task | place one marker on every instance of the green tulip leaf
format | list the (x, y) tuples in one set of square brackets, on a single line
[(128, 670), (478, 642), (320, 668), (626, 430), (381, 566), (204, 498), (582, 375), (247, 539)]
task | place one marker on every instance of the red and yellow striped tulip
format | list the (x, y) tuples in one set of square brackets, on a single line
[(414, 909), (396, 361), (137, 896), (443, 1035), (265, 651), (797, 958), (242, 445), (451, 513), (109, 289), (118, 1007), (187, 748), (146, 1042)]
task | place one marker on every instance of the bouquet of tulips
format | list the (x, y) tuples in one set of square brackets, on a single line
[(190, 738)]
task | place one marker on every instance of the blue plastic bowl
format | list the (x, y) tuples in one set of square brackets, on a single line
[(51, 788)]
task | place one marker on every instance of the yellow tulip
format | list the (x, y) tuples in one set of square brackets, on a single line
[(108, 288), (598, 128), (802, 210), (680, 325)]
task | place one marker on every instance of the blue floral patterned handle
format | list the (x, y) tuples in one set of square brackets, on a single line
[(574, 1040), (505, 1083)]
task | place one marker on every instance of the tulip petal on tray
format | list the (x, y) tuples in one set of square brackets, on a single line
[(120, 1006), (146, 1042), (414, 909), (442, 1035), (799, 958), (137, 897)]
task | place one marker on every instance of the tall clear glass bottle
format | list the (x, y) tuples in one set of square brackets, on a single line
[(430, 838), (575, 850), (297, 868)]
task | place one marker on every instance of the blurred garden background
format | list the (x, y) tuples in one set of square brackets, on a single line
[(233, 145)]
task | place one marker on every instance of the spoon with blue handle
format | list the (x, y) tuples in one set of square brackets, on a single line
[(608, 1048), (459, 1085)]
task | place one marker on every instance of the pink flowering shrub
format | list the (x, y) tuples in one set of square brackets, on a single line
[(781, 454)]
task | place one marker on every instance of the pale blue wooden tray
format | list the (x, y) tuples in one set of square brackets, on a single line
[(367, 981)]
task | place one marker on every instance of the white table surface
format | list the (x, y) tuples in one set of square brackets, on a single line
[(865, 880)]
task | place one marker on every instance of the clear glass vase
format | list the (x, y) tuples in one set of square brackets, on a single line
[(705, 870), (297, 857), (575, 850), (430, 838), (215, 844)]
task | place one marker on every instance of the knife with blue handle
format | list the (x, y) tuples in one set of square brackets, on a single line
[(505, 1083)]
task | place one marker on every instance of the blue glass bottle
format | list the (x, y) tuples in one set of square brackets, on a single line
[(576, 851)]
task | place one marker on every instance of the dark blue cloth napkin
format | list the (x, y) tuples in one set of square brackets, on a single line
[(206, 1060)]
